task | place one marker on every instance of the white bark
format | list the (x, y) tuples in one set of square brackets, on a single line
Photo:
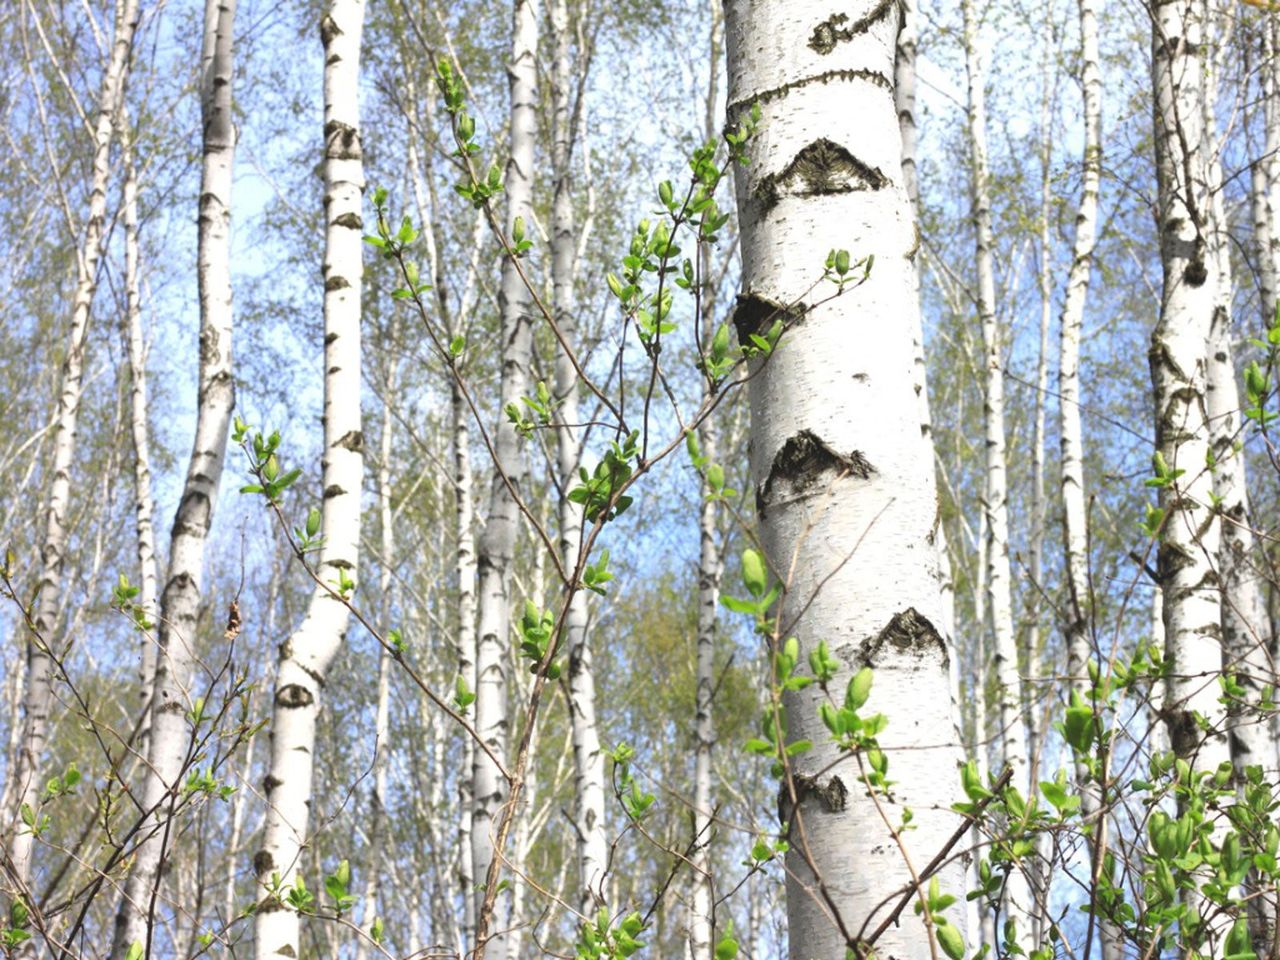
[(904, 92), (1013, 732), (588, 760), (382, 709), (497, 543), (39, 692), (1078, 608), (1192, 608), (845, 490), (464, 509), (171, 736), (1008, 685), (305, 657), (701, 913), (1245, 631), (1265, 176), (144, 504), (1075, 516)]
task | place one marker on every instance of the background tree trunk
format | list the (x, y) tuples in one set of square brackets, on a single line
[(305, 657), (172, 740)]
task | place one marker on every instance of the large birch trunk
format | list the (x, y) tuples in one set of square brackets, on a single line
[(171, 737), (305, 657), (48, 598), (845, 489), (497, 542)]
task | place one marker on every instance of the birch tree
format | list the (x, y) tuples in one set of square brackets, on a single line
[(1075, 531), (1189, 536), (845, 489), (305, 657), (174, 691), (497, 542), (42, 645), (1008, 687), (1264, 173), (1244, 627), (144, 504), (701, 911)]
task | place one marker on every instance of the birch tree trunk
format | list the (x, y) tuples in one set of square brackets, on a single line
[(455, 323), (144, 504), (382, 709), (588, 761), (48, 597), (305, 657), (1264, 172), (1079, 605), (1008, 686), (497, 542), (171, 737), (701, 911), (904, 94), (845, 489), (1190, 541), (1244, 625), (1075, 515)]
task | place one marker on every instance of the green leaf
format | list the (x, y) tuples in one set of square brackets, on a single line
[(859, 689), (949, 939), (754, 576)]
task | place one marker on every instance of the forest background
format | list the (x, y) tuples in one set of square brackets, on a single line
[(647, 789)]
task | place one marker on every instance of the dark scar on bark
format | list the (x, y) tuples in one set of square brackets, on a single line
[(906, 632), (756, 313), (832, 31), (803, 460), (822, 168), (833, 794)]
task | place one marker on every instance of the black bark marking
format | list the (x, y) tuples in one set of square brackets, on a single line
[(336, 283), (802, 463), (756, 314), (775, 93), (263, 863), (907, 632), (833, 794), (329, 30), (293, 695), (342, 142), (1184, 732), (832, 31), (352, 440), (823, 168)]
